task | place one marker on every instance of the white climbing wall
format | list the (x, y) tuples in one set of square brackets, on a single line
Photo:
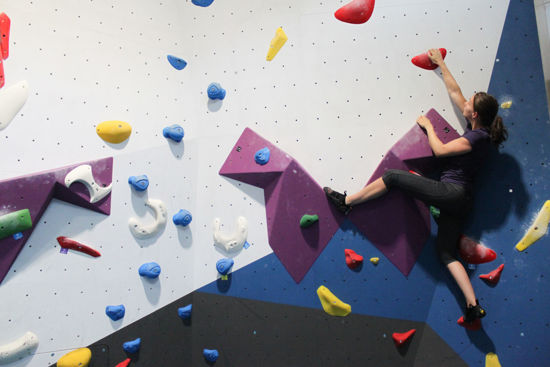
[(336, 97)]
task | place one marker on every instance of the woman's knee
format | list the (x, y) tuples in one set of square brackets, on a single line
[(389, 176), (445, 256)]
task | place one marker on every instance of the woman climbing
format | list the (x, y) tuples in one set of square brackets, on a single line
[(452, 194)]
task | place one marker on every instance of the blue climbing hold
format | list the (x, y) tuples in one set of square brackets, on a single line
[(203, 3), (115, 312), (182, 218), (132, 346), (215, 91), (185, 312), (150, 270), (176, 62), (262, 156), (18, 236), (224, 265), (211, 355), (174, 132), (140, 183)]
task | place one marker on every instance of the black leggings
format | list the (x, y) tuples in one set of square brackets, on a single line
[(452, 200)]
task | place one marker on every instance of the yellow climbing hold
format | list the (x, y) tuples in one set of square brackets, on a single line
[(537, 229), (331, 304), (506, 104), (114, 131), (276, 43), (374, 260), (491, 360), (77, 358)]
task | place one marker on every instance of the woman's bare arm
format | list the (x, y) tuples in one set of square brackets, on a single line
[(452, 86)]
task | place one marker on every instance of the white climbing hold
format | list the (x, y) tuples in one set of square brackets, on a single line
[(234, 241), (12, 100), (19, 348), (84, 175), (141, 230)]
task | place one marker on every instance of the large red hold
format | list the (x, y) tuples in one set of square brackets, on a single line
[(402, 338), (423, 60), (494, 276), (71, 244), (353, 259), (4, 35), (473, 252), (474, 325), (356, 12)]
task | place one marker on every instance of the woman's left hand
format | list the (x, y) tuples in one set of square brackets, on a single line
[(424, 122)]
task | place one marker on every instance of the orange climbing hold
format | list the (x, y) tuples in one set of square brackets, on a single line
[(124, 363), (474, 325), (494, 276), (423, 60), (475, 253), (353, 259), (402, 338), (356, 12)]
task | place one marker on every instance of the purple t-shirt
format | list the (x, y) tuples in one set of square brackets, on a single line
[(462, 169)]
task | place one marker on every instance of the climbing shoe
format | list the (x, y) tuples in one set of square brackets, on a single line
[(338, 199), (474, 312)]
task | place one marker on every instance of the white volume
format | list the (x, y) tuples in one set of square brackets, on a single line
[(234, 241), (141, 230), (12, 100), (84, 174), (18, 349)]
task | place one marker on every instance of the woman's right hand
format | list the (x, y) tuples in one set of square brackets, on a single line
[(435, 56)]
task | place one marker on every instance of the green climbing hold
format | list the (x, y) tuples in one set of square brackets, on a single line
[(15, 222), (308, 219), (434, 212)]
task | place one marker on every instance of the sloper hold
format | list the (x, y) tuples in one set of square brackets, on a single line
[(353, 260), (115, 313), (494, 276), (537, 229), (35, 191), (15, 222), (423, 60), (5, 23), (308, 220), (70, 244), (473, 252), (139, 183), (276, 43), (401, 338), (356, 12), (331, 304), (12, 99), (114, 132), (77, 358), (132, 346), (19, 348), (491, 360), (474, 325), (176, 62)]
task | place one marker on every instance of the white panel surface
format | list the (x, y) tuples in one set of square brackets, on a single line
[(336, 97)]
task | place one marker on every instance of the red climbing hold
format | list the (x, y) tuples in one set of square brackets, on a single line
[(423, 61), (475, 253), (4, 35), (124, 363), (353, 259), (474, 325), (402, 338), (356, 12), (70, 244), (494, 276), (2, 78)]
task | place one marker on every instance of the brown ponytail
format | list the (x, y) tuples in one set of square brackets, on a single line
[(486, 107)]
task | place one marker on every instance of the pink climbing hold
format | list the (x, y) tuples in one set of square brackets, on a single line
[(124, 363), (494, 276), (423, 60), (473, 252), (356, 12), (353, 259), (474, 325), (402, 338)]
